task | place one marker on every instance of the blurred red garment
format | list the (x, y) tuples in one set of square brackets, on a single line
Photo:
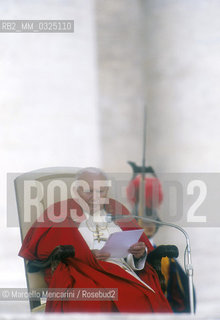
[(153, 191)]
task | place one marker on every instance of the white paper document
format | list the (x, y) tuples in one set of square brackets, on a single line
[(118, 243)]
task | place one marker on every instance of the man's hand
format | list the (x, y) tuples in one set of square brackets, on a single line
[(100, 255), (137, 249)]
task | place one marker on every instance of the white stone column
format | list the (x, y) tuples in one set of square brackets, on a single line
[(48, 107), (120, 82), (182, 70)]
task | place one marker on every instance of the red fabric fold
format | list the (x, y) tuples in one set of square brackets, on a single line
[(85, 271)]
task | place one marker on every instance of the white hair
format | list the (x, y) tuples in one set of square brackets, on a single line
[(91, 170)]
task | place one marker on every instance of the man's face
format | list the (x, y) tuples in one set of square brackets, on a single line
[(94, 192)]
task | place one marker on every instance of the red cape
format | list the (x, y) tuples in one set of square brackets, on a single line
[(85, 271)]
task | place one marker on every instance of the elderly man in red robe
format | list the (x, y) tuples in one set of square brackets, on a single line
[(85, 229)]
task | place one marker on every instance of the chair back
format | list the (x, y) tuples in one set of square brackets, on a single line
[(37, 184)]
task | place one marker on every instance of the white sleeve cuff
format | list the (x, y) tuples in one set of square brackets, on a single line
[(138, 264)]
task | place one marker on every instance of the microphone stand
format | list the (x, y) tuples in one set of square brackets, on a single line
[(187, 254), (141, 207)]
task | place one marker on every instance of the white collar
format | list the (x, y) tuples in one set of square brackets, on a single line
[(97, 217)]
